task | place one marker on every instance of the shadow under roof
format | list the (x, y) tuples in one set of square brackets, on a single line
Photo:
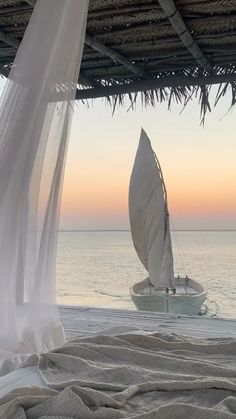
[(165, 49)]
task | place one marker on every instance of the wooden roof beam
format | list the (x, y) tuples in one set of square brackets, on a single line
[(9, 40), (114, 55), (8, 10), (16, 43), (103, 49), (87, 81), (151, 84), (124, 9), (176, 20)]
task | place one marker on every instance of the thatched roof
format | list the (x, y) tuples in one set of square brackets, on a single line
[(165, 49)]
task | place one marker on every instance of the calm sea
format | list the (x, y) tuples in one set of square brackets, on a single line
[(97, 268)]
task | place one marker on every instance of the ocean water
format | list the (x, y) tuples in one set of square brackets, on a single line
[(97, 268)]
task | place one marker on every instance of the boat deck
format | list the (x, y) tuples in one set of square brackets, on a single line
[(181, 289), (85, 321)]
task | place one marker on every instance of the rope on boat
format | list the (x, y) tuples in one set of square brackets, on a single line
[(180, 251), (206, 310)]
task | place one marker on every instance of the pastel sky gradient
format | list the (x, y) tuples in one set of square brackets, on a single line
[(198, 165)]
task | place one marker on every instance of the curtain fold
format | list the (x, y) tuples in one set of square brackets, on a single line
[(36, 108)]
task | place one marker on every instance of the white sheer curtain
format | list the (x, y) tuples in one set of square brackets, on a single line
[(35, 115)]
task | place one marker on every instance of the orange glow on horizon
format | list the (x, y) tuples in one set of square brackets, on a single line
[(199, 174), (194, 195), (102, 195), (90, 194)]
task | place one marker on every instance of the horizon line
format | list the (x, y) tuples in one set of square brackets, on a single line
[(118, 229)]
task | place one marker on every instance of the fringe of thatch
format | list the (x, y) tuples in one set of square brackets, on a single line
[(180, 95)]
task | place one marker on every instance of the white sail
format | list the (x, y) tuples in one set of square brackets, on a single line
[(148, 214)]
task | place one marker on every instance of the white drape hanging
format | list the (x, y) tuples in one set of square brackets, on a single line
[(35, 116)]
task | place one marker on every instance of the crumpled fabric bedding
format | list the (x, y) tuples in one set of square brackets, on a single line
[(131, 375)]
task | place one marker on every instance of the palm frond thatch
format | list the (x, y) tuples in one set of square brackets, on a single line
[(134, 48)]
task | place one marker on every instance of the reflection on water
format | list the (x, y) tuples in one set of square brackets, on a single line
[(98, 267)]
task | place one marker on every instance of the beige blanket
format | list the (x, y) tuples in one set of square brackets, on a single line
[(131, 376)]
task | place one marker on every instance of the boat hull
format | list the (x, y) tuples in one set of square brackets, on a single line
[(146, 298)]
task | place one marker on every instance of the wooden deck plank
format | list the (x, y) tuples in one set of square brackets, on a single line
[(84, 321)]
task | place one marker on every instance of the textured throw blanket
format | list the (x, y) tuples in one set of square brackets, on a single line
[(131, 376)]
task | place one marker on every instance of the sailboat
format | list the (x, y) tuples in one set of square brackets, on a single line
[(161, 291)]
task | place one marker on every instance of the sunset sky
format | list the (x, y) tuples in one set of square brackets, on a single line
[(198, 165)]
